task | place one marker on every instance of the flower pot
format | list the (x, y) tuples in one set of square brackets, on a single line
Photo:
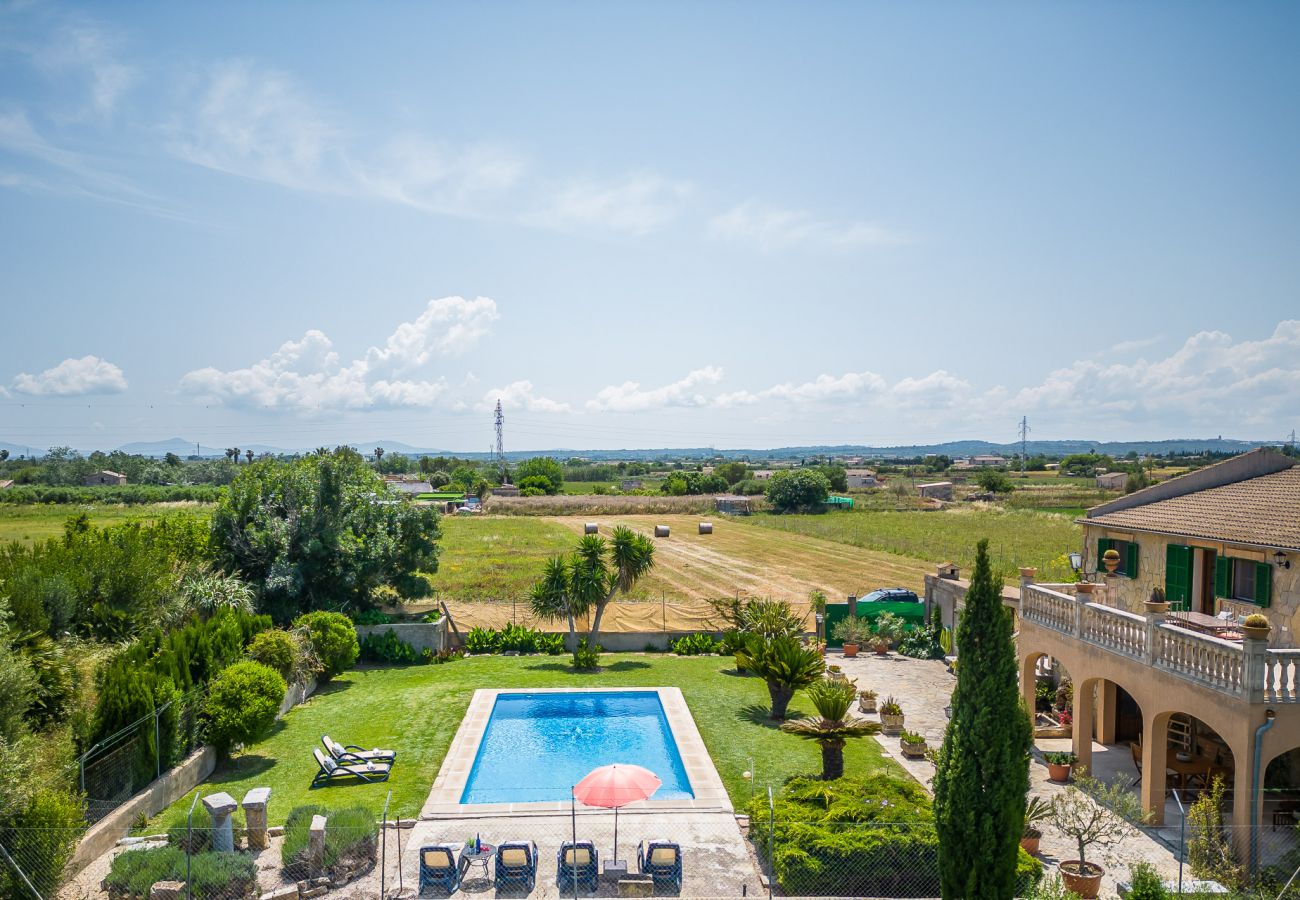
[(1156, 606), (881, 649), (1031, 844), (1084, 587), (1059, 772), (1255, 633), (866, 705), (891, 725), (850, 650), (912, 751), (1084, 878)]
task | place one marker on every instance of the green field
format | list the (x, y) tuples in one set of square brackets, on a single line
[(34, 522), (486, 557), (416, 710), (1016, 537)]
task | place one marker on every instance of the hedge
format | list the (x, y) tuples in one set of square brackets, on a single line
[(212, 874)]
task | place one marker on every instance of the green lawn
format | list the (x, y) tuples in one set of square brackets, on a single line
[(31, 522), (492, 557), (1017, 537), (416, 711)]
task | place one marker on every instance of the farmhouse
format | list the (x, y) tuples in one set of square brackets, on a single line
[(861, 479), (505, 490), (104, 477), (1112, 481), (936, 490)]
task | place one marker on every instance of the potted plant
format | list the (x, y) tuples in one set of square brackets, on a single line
[(867, 701), (891, 716), (850, 632), (912, 744), (1101, 816), (1157, 603), (1111, 560), (889, 628), (1256, 627), (1036, 811), (1084, 587), (1059, 764)]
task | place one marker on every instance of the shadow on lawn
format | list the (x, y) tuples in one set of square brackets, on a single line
[(758, 714), (331, 687), (626, 665), (248, 765)]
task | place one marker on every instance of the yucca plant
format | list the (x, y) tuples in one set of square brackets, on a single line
[(833, 725), (784, 663)]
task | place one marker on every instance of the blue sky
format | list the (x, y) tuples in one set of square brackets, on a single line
[(736, 224)]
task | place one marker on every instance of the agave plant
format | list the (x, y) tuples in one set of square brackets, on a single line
[(784, 663), (833, 725)]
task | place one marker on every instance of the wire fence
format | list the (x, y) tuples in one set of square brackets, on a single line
[(117, 767)]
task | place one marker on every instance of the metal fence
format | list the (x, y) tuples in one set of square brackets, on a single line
[(117, 767)]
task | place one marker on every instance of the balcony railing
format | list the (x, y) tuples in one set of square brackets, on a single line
[(1248, 670)]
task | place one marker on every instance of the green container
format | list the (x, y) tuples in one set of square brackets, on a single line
[(912, 614)]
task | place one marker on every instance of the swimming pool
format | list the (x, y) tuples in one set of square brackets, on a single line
[(538, 745)]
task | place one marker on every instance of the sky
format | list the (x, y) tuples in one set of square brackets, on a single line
[(648, 224)]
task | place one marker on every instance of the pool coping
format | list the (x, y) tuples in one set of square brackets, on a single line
[(444, 799)]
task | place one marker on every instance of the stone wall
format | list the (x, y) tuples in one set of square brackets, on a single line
[(420, 635), (1129, 593), (948, 595)]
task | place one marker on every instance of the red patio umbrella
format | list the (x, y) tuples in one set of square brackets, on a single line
[(616, 785)]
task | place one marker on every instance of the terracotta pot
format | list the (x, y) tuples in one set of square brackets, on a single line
[(1084, 587), (1156, 606), (881, 649), (1059, 772), (1082, 878), (891, 725), (850, 650), (1031, 844)]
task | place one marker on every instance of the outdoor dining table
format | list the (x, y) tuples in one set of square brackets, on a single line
[(1196, 765), (1212, 625)]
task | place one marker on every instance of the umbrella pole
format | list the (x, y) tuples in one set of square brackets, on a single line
[(573, 796), (616, 835)]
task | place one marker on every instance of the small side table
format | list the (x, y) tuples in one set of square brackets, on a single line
[(469, 859)]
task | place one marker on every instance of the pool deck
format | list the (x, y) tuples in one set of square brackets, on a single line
[(444, 800)]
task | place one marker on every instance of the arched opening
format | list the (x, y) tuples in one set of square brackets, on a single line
[(1280, 825)]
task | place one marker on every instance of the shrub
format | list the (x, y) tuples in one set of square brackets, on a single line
[(221, 875), (922, 643), (797, 490), (374, 617), (242, 704), (696, 645), (334, 640), (275, 649), (350, 835), (212, 875), (551, 644), (482, 640), (586, 656), (387, 647), (1209, 853), (50, 827), (519, 639), (1145, 884), (194, 840)]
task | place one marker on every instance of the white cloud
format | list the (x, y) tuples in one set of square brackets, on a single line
[(628, 396), (306, 375), (73, 378), (775, 229), (823, 387), (520, 395), (636, 204)]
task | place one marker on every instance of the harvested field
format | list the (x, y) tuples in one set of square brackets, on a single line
[(597, 504)]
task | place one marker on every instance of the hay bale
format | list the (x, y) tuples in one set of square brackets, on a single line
[(590, 528), (706, 528), (661, 531)]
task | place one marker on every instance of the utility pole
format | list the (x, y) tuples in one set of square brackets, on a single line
[(1291, 442), (1024, 443), (501, 444)]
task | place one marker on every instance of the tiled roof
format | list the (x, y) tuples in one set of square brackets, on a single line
[(1263, 511)]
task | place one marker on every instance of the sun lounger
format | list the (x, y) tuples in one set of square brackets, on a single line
[(331, 770), (351, 753), (516, 864), (439, 867), (577, 862), (662, 861)]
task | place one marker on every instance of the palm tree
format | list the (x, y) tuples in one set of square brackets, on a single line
[(379, 455), (784, 663), (249, 454), (833, 725), (235, 453)]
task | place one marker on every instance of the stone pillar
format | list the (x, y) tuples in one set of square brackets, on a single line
[(1243, 773), (316, 845), (1082, 733), (1029, 684), (1104, 716), (219, 807), (1255, 664), (1155, 740), (255, 817)]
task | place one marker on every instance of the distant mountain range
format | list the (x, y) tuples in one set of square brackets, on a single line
[(184, 448)]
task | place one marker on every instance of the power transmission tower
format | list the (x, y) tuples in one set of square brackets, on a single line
[(501, 444), (1024, 443)]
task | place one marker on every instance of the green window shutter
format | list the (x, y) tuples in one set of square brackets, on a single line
[(1263, 583), (1131, 564), (1178, 574), (1103, 544), (1223, 576)]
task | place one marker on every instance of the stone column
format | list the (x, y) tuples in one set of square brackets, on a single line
[(255, 817), (1155, 739), (219, 807), (1104, 715), (1082, 733), (1255, 663), (316, 845)]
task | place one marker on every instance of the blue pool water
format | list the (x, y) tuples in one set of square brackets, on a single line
[(538, 746)]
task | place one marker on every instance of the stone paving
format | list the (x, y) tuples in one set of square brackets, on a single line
[(924, 689)]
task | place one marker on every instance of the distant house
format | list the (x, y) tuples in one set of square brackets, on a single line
[(505, 490), (1112, 481), (860, 479), (412, 488), (732, 504), (630, 484), (104, 477), (8, 483), (988, 462), (1052, 467), (761, 474), (936, 490)]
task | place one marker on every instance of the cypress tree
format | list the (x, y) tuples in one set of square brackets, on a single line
[(983, 770)]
